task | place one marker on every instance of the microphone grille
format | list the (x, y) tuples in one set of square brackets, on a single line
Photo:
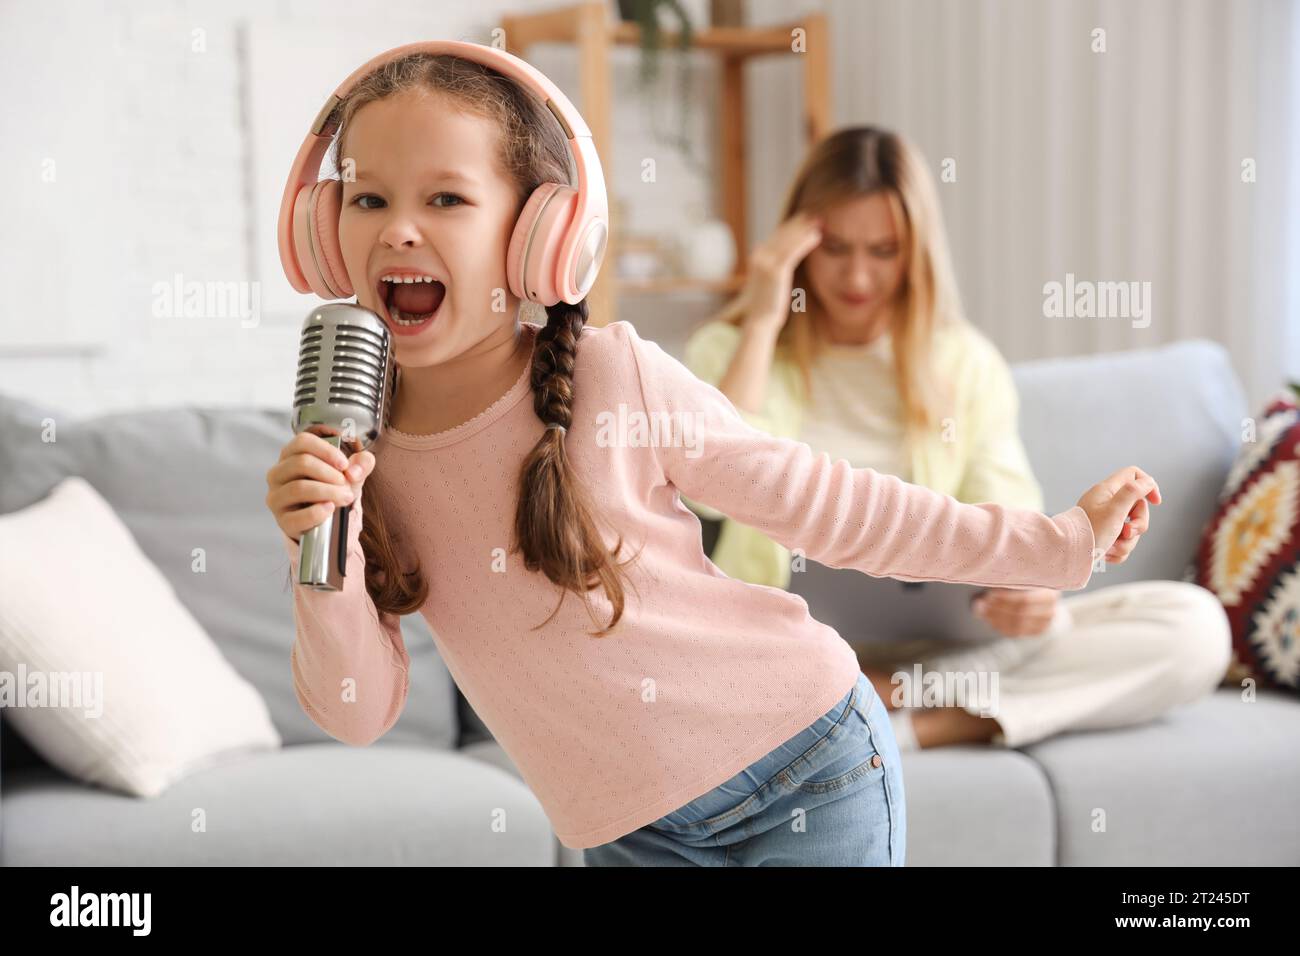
[(345, 371)]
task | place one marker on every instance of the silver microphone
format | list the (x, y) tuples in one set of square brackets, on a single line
[(344, 393)]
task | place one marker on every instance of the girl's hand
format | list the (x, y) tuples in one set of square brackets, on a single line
[(771, 270), (1017, 612), (309, 481), (1117, 508)]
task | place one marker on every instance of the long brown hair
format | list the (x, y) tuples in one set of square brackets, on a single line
[(554, 526), (859, 161)]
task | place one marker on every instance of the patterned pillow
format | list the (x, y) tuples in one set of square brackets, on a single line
[(1250, 552)]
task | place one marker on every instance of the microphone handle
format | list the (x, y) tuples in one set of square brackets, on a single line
[(323, 560)]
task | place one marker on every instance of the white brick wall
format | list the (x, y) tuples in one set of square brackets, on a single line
[(170, 159)]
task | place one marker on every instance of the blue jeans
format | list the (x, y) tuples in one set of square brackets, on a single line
[(832, 795)]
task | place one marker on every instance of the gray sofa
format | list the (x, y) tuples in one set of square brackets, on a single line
[(1210, 783)]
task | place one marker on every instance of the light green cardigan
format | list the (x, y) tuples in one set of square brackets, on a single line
[(983, 460)]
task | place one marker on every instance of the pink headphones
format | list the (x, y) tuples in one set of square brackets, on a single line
[(557, 245)]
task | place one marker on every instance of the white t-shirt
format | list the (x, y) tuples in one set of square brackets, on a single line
[(854, 411)]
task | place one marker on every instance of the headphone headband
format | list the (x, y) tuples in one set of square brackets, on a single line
[(592, 201)]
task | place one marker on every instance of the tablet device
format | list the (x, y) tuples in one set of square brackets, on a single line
[(869, 610)]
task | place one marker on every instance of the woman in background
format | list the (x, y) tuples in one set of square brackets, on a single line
[(849, 336)]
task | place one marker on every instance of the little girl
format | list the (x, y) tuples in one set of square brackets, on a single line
[(709, 721)]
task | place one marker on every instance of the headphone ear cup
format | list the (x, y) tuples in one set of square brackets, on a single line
[(531, 260), (524, 230), (329, 204), (316, 239)]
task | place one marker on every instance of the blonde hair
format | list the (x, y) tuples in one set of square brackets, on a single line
[(861, 161), (554, 524)]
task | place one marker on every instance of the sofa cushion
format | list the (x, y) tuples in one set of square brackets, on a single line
[(977, 806), (1175, 411), (488, 750), (313, 805), (1212, 783), (105, 672), (190, 485), (1249, 555)]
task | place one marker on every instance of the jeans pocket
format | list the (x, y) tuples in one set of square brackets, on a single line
[(749, 791), (847, 755)]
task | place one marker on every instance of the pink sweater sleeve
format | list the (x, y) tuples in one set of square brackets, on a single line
[(350, 669), (841, 516)]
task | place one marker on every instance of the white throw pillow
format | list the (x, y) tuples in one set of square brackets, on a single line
[(85, 616)]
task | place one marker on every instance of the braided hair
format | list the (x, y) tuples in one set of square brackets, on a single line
[(555, 528)]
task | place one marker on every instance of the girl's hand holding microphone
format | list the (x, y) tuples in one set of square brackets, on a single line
[(1117, 508), (310, 480)]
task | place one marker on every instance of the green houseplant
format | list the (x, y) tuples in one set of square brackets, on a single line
[(646, 14)]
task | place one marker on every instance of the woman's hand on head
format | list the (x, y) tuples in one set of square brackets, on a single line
[(1117, 509), (311, 479), (769, 284)]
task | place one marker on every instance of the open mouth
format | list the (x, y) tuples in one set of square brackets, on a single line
[(411, 304)]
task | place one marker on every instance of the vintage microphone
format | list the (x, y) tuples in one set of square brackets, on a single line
[(344, 393)]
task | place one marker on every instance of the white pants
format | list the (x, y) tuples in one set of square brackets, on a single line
[(1112, 657)]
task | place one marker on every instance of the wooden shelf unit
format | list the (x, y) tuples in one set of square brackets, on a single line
[(594, 28)]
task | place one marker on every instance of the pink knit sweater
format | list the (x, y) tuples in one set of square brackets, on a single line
[(704, 674)]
